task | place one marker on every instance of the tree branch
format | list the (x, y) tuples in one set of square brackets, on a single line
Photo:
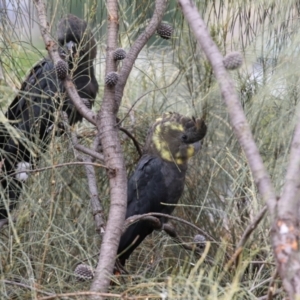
[(236, 114), (86, 150), (135, 142), (96, 205), (170, 230), (138, 45), (73, 163), (111, 144), (250, 228), (92, 183), (285, 228), (25, 286), (133, 219), (113, 156)]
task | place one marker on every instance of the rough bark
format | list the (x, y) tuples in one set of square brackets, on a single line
[(285, 229), (113, 157)]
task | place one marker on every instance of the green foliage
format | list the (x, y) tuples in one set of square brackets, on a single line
[(55, 229)]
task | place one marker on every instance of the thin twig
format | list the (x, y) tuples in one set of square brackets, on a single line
[(279, 291), (92, 182), (178, 240), (145, 94), (52, 48), (88, 151), (135, 142), (87, 293), (25, 286), (250, 228), (136, 218), (271, 285), (138, 45), (61, 165)]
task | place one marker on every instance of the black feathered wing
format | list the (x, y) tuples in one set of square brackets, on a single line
[(153, 183), (31, 113), (32, 110)]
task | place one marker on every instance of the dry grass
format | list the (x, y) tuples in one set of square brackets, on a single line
[(54, 229)]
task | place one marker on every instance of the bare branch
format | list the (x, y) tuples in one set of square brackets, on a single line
[(25, 286), (170, 230), (291, 189), (251, 227), (285, 230), (237, 117), (110, 142), (136, 218), (73, 163), (87, 151), (92, 183), (84, 294), (135, 142), (113, 157), (145, 94), (132, 54)]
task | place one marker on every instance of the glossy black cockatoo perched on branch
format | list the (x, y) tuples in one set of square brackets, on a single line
[(158, 180), (31, 115)]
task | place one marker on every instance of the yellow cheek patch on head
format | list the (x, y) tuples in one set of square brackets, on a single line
[(190, 151), (160, 144), (185, 154), (174, 126), (163, 147)]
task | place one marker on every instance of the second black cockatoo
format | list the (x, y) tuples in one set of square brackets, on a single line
[(158, 180), (31, 115)]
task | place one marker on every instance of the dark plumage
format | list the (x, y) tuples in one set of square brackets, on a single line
[(31, 114), (160, 174)]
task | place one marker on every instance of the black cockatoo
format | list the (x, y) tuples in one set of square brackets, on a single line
[(31, 115), (159, 177)]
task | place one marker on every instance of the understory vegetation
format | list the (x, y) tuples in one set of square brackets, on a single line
[(52, 230)]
